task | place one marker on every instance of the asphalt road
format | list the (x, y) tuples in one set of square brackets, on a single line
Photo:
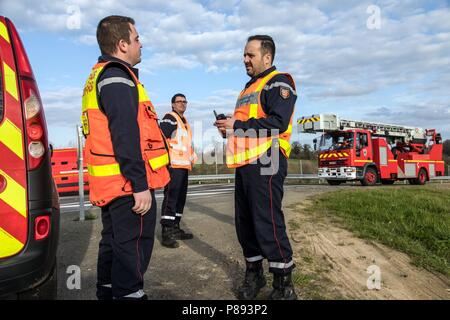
[(72, 203), (210, 266)]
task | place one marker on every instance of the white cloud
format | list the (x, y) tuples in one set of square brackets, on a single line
[(324, 44), (343, 90), (429, 115), (62, 106), (313, 40), (88, 39), (63, 109), (171, 60)]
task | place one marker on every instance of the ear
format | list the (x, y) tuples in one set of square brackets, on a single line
[(122, 46), (267, 59)]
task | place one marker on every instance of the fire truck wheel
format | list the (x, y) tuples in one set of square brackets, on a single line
[(421, 179), (334, 182), (370, 177)]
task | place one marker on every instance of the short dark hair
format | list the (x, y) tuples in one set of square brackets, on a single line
[(111, 30), (267, 44), (177, 95)]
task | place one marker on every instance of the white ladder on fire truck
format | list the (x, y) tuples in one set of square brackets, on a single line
[(332, 122)]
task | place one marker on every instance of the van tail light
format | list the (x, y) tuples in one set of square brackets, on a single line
[(36, 131), (35, 124), (41, 227), (23, 64), (2, 183)]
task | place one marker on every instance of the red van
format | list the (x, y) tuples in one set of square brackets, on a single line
[(29, 204)]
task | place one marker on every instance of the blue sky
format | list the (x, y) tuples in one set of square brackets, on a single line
[(344, 62)]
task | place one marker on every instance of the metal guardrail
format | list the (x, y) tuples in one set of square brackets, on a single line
[(231, 177), (211, 177), (441, 178), (308, 176), (289, 176)]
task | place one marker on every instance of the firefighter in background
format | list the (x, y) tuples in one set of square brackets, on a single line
[(182, 156), (126, 159), (345, 143), (260, 159)]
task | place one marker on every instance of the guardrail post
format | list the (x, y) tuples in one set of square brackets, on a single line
[(80, 171)]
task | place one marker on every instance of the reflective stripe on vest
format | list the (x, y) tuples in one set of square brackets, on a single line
[(249, 153), (285, 145), (105, 178), (90, 100), (243, 150), (159, 162), (180, 162), (104, 170), (181, 152), (114, 169)]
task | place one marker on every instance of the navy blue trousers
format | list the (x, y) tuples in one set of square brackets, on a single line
[(125, 248), (174, 197), (259, 218)]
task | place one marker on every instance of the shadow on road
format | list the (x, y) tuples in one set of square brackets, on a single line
[(230, 266), (198, 207), (74, 240)]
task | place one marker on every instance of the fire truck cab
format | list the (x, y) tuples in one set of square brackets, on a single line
[(29, 204), (373, 152)]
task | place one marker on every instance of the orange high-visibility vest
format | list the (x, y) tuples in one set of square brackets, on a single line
[(106, 182), (182, 154), (242, 150)]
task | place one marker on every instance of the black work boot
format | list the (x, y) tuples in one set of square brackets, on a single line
[(180, 234), (168, 237), (134, 297), (104, 292), (283, 288), (253, 282)]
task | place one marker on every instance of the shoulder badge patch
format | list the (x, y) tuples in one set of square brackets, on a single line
[(285, 92)]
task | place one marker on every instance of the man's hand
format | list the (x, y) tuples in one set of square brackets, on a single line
[(225, 124), (142, 202)]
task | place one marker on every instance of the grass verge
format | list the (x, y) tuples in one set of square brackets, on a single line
[(414, 220)]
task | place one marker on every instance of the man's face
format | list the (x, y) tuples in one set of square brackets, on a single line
[(134, 47), (254, 61), (180, 104)]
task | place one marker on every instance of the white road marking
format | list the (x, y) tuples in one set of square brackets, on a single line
[(73, 205)]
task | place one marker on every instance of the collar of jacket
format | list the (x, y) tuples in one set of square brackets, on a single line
[(261, 75), (107, 58), (181, 116)]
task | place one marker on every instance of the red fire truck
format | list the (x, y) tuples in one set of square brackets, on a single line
[(374, 152), (65, 170)]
